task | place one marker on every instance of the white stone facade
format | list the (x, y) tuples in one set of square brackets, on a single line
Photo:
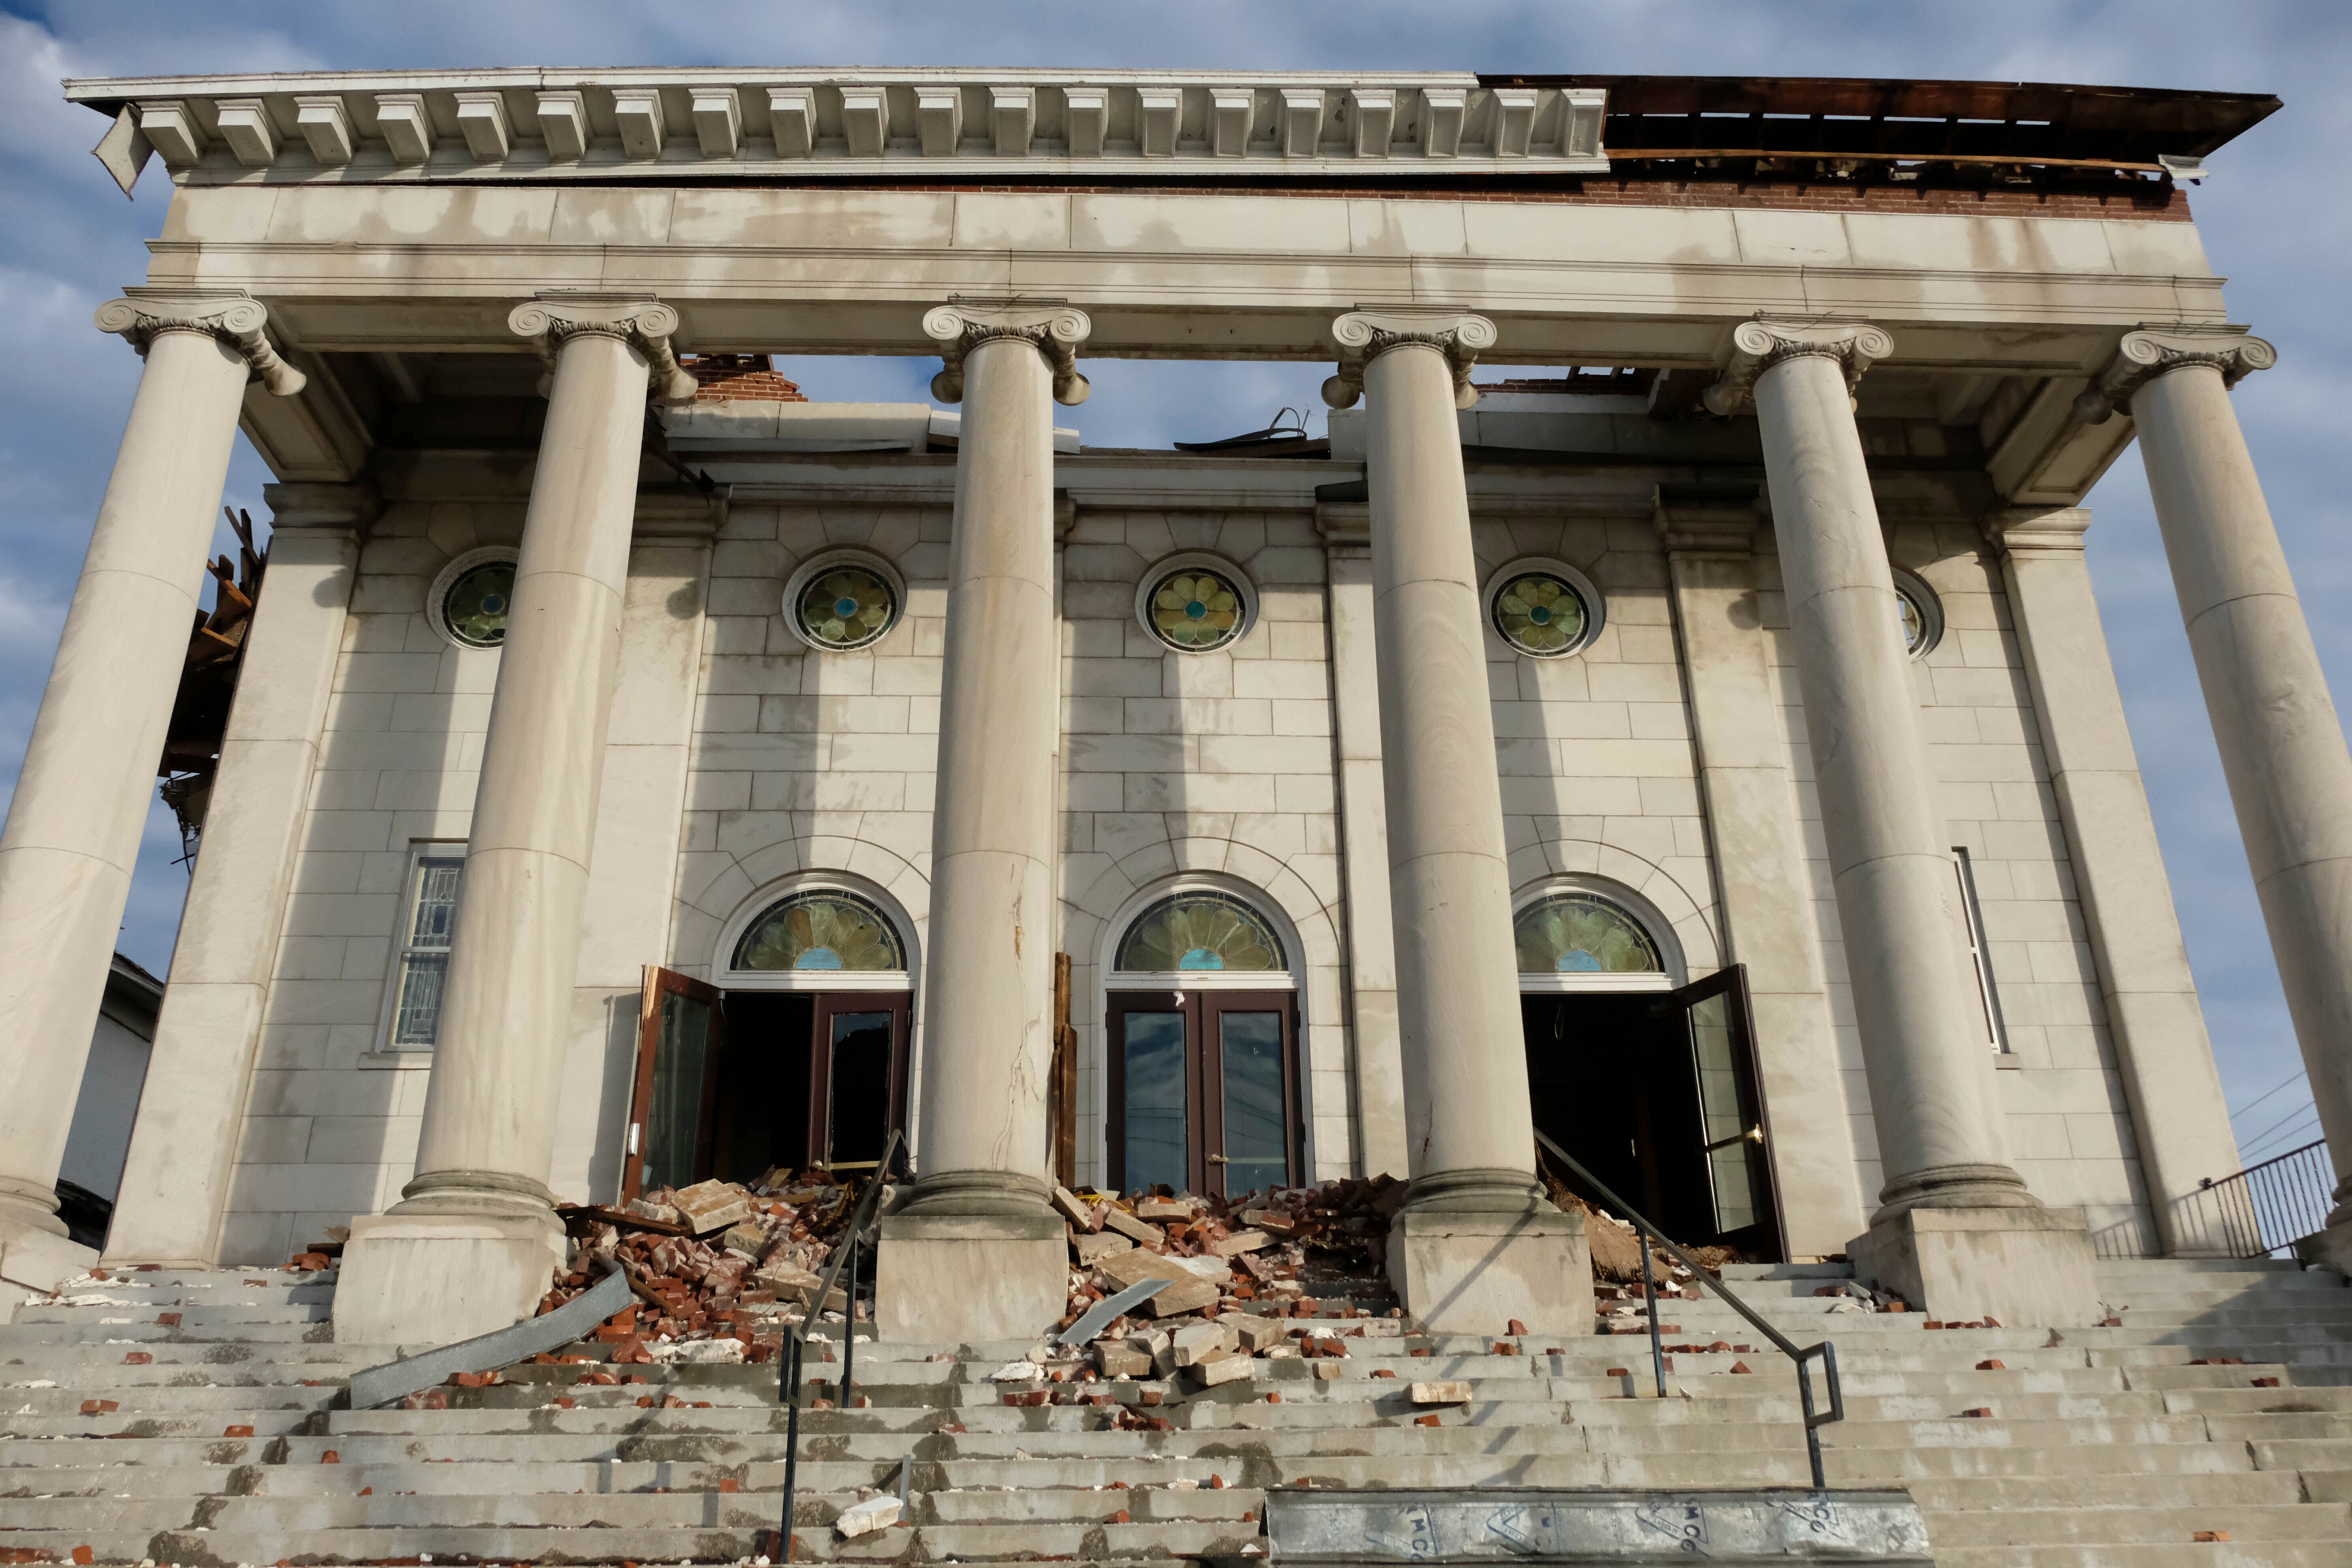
[(656, 755)]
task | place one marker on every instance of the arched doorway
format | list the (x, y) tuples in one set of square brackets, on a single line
[(797, 1055), (1202, 1025), (1649, 1083)]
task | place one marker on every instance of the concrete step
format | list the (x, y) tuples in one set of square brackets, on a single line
[(2228, 1554), (204, 1316), (2131, 1526), (1958, 1493)]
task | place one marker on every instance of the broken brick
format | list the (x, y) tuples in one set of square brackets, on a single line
[(1991, 1366)]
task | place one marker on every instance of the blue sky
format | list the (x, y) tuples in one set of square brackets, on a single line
[(2276, 218)]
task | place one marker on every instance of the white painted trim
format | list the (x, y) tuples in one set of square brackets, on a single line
[(825, 561), (447, 578), (1596, 608), (1653, 921), (1196, 560)]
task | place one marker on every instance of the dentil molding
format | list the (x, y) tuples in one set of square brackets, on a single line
[(1364, 335), (1758, 346), (2150, 351), (1050, 326), (236, 320), (551, 320)]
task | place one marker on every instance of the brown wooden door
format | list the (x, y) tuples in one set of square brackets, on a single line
[(857, 1076), (673, 1110), (1203, 1090), (1733, 1138)]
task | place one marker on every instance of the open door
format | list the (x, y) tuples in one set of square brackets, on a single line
[(673, 1112), (1722, 1027)]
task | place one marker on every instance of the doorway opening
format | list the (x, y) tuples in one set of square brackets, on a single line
[(1650, 1086), (800, 1061)]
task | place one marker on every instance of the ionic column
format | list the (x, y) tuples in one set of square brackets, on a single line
[(468, 1248), (1475, 1244), (976, 1252), (192, 1112), (1930, 1074), (72, 835), (2179, 1120), (2282, 743)]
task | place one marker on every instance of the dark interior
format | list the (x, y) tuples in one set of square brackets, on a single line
[(1613, 1082), (763, 1084)]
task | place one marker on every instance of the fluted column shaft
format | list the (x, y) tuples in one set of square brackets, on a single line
[(989, 974), (1890, 860), (2282, 743), (1468, 1117), (89, 775)]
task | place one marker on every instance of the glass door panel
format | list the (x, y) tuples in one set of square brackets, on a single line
[(1254, 1102), (680, 1032), (857, 1076), (1731, 1113), (1154, 1140)]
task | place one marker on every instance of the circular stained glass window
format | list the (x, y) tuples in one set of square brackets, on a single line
[(477, 605), (1581, 933), (1199, 931), (820, 929), (1541, 613), (846, 607), (1918, 612), (1196, 610)]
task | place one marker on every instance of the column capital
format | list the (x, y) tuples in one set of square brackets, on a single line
[(235, 319), (1760, 344), (2038, 531), (1364, 335), (1706, 519), (1053, 327), (550, 320), (2147, 353)]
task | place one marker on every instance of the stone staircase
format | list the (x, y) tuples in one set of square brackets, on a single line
[(191, 1417)]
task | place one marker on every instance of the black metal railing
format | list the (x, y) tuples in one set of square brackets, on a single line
[(2264, 1209), (788, 1376), (1825, 1352)]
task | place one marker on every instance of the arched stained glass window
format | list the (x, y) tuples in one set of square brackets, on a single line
[(1200, 930), (1583, 933), (818, 930)]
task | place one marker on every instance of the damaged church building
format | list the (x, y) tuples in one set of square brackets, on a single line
[(1665, 711)]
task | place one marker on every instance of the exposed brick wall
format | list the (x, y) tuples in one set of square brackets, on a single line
[(723, 377)]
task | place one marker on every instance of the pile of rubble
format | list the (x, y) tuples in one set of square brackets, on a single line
[(719, 1269)]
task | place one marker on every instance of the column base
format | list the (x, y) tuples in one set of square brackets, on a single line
[(963, 1279), (434, 1279), (2027, 1267), (1472, 1250), (37, 1261), (2331, 1248)]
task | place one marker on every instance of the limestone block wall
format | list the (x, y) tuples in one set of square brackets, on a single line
[(331, 1124), (1598, 778), (2066, 1116), (1218, 763)]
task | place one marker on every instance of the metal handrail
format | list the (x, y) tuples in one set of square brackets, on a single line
[(788, 1376), (2267, 1207), (1825, 1351)]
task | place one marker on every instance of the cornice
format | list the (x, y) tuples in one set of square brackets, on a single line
[(409, 126), (1760, 344), (2150, 351), (1364, 335), (2038, 531), (1053, 327), (141, 315), (551, 321)]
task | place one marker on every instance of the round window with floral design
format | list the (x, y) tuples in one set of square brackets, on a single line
[(845, 607), (475, 606), (1194, 609), (1541, 613)]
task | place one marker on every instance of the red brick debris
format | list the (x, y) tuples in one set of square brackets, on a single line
[(721, 378)]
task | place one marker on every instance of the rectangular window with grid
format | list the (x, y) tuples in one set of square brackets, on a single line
[(1995, 1036), (428, 918)]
